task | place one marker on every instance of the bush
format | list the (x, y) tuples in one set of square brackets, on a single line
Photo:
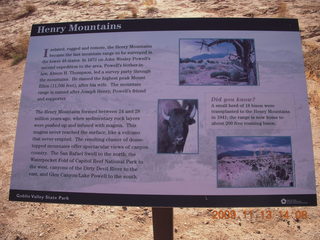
[(266, 180), (222, 73), (182, 79), (30, 8), (27, 10), (282, 10), (149, 2), (60, 2), (152, 10), (223, 183), (133, 9), (19, 50)]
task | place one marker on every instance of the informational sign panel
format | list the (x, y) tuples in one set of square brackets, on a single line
[(165, 112)]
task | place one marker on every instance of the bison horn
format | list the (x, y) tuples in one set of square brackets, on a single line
[(193, 112), (164, 115)]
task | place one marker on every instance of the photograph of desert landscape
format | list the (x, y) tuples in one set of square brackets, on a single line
[(272, 165), (255, 162)]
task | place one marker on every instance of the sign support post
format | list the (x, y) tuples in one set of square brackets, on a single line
[(162, 223)]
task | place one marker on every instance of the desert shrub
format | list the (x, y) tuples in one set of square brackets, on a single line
[(233, 75), (17, 58), (245, 178), (20, 238), (95, 3), (254, 167), (314, 99), (152, 10), (223, 73), (6, 48), (79, 3), (250, 15), (212, 67), (236, 62), (182, 81), (282, 174), (185, 60), (190, 71), (190, 66), (121, 16), (266, 180), (221, 236), (223, 183), (27, 10), (60, 2), (19, 50), (133, 9), (63, 2), (282, 10), (30, 8), (199, 1), (149, 2)]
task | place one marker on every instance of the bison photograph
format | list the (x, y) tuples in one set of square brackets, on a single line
[(177, 126)]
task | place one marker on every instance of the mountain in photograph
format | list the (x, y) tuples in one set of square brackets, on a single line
[(246, 153), (209, 56)]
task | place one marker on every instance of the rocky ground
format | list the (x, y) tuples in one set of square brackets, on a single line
[(26, 221)]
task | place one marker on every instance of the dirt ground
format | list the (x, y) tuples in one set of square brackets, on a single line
[(26, 221)]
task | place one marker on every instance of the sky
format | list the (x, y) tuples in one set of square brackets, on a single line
[(278, 144), (191, 47)]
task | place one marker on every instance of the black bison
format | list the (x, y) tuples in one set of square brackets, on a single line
[(173, 124)]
